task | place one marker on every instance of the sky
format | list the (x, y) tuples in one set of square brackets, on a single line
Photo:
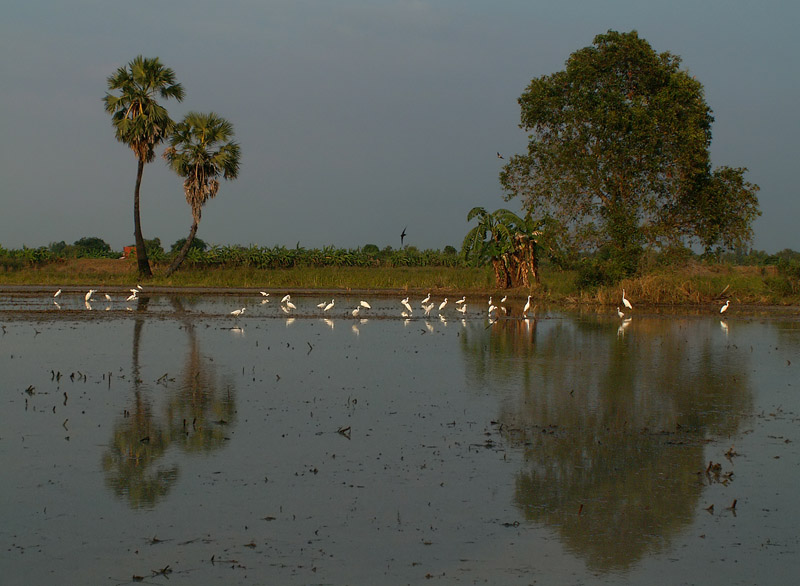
[(356, 118)]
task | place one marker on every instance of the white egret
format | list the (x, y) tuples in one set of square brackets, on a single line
[(443, 304), (286, 298), (462, 309), (131, 297), (364, 304), (527, 307), (327, 307), (491, 309), (108, 297), (284, 309), (88, 305), (625, 302), (503, 300), (323, 304), (88, 296), (428, 308), (407, 305), (620, 314), (290, 305), (462, 300), (264, 293), (424, 301), (405, 314), (355, 311), (139, 287), (238, 312), (724, 308), (57, 294)]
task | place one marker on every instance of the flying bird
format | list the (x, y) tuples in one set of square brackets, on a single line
[(403, 236), (499, 156)]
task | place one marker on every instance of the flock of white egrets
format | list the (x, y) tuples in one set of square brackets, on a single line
[(407, 312), (88, 298)]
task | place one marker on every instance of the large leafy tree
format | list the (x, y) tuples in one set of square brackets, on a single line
[(618, 157), (141, 123), (201, 150)]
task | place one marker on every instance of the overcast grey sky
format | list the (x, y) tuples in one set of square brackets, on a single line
[(355, 117)]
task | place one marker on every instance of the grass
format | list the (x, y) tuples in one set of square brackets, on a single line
[(693, 283)]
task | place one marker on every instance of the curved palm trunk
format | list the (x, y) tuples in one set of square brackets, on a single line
[(183, 252), (141, 251)]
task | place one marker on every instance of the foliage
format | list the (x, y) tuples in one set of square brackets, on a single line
[(507, 241), (196, 244), (201, 149), (154, 249), (618, 159), (91, 247)]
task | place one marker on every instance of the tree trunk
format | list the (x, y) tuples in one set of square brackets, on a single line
[(183, 252), (141, 251)]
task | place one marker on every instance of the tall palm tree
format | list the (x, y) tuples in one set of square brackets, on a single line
[(201, 149), (141, 122)]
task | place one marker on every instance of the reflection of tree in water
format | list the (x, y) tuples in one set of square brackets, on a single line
[(195, 417), (612, 427)]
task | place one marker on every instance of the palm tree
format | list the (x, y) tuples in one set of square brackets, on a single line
[(201, 149), (141, 122)]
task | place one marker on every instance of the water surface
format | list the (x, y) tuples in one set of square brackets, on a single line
[(167, 435)]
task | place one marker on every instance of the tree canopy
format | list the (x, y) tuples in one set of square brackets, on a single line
[(618, 155)]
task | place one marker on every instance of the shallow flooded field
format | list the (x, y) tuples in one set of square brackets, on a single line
[(164, 440)]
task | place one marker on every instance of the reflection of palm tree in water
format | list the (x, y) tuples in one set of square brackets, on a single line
[(612, 430), (140, 439), (200, 412)]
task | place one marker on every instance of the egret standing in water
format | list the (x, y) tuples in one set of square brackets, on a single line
[(424, 301), (88, 296), (625, 302), (57, 294), (329, 306), (443, 304), (724, 308), (462, 300), (238, 312), (527, 307), (364, 304), (286, 298)]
